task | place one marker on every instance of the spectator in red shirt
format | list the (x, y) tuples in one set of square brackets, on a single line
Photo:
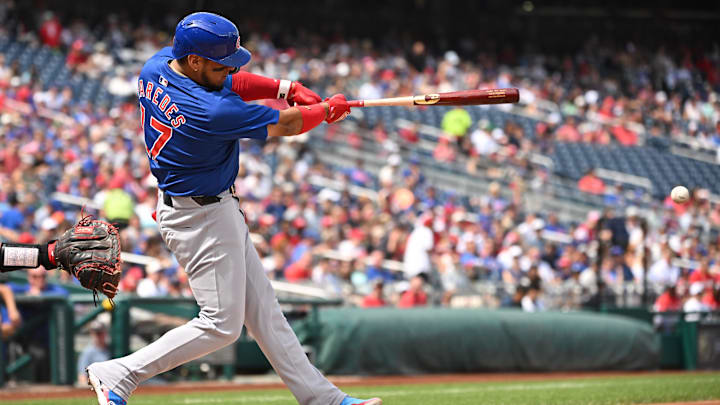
[(77, 55), (10, 157), (415, 295), (375, 298), (702, 274), (568, 132), (444, 152), (409, 134), (625, 136), (300, 270), (590, 183), (668, 301), (50, 30)]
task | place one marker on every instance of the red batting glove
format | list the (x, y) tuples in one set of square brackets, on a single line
[(339, 108), (301, 95)]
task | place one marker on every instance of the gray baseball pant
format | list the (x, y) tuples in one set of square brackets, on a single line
[(213, 244)]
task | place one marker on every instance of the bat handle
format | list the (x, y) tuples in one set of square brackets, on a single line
[(356, 103)]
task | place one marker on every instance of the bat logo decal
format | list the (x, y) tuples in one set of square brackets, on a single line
[(496, 93), (427, 99)]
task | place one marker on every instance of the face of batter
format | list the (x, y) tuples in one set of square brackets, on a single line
[(213, 74), (208, 73)]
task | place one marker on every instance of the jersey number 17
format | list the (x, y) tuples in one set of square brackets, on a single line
[(164, 130)]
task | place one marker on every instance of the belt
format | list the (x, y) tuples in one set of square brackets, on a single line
[(200, 199)]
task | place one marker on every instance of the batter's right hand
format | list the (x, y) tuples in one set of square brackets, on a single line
[(301, 95), (339, 108)]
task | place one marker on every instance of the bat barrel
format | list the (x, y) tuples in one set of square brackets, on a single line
[(466, 97), (474, 97)]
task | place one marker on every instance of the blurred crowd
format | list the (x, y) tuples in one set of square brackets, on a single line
[(411, 245)]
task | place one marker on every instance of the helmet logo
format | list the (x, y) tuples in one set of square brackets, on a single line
[(237, 44)]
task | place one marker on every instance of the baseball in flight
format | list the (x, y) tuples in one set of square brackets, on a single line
[(680, 194)]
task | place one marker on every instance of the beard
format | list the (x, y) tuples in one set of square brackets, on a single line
[(207, 83)]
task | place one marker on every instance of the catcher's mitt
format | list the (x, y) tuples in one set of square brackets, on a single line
[(90, 251)]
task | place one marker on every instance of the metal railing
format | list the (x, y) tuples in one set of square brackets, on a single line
[(58, 314)]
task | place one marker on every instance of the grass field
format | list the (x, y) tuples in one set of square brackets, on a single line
[(586, 391)]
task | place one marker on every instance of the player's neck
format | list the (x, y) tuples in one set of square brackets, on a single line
[(178, 68)]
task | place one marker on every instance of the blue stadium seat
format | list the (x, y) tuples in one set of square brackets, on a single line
[(662, 168)]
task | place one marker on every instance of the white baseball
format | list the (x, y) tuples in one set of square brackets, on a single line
[(680, 194)]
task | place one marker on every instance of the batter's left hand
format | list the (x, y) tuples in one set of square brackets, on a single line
[(301, 95)]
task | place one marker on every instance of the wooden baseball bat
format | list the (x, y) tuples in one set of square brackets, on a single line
[(465, 97)]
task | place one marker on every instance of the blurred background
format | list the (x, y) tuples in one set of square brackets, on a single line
[(558, 203)]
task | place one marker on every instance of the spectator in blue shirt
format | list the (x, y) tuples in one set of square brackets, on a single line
[(375, 271), (37, 284), (12, 218), (358, 175), (96, 351), (552, 224)]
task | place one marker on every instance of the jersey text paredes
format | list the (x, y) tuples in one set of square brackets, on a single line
[(154, 93)]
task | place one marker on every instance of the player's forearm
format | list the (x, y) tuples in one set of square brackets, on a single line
[(298, 120), (17, 256), (250, 86)]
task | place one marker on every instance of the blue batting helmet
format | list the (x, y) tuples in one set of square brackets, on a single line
[(211, 36)]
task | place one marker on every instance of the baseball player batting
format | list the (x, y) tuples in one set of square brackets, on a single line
[(193, 110)]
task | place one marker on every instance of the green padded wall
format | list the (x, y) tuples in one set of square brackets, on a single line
[(439, 340)]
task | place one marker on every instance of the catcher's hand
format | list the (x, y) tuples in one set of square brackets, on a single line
[(90, 251)]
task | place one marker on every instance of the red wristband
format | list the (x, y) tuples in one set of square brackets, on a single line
[(51, 253), (312, 115)]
